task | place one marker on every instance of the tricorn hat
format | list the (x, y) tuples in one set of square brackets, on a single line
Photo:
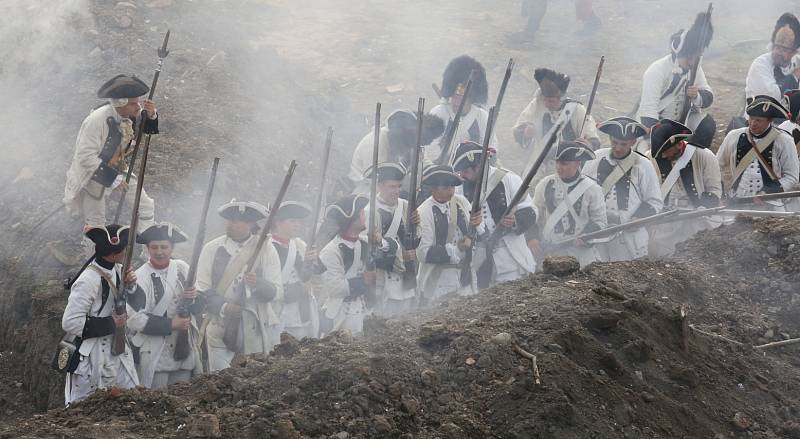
[(293, 210), (121, 87), (468, 154), (388, 171), (402, 120), (573, 152), (247, 211), (693, 41), (456, 75), (666, 133), (786, 32), (440, 175), (109, 239), (551, 83), (623, 128), (767, 106), (345, 210), (162, 232)]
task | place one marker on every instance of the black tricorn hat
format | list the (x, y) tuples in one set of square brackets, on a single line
[(345, 210), (440, 175), (123, 86), (247, 211), (292, 210), (456, 75), (574, 152), (402, 120), (623, 128), (109, 239), (793, 96), (787, 31), (666, 133), (684, 43), (767, 106), (162, 232), (551, 83), (388, 171), (468, 154)]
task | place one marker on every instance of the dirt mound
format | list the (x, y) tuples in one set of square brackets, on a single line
[(615, 353)]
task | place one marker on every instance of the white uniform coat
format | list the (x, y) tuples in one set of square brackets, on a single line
[(291, 320), (98, 369), (761, 78), (643, 188), (346, 315), (656, 82), (260, 320), (472, 126), (592, 210), (156, 351)]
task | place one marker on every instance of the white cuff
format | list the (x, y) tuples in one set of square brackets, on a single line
[(453, 252), (116, 182)]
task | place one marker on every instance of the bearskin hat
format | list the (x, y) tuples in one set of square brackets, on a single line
[(457, 74), (685, 43), (551, 83)]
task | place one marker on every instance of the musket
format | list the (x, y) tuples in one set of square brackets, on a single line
[(592, 95), (312, 236), (499, 230), (162, 54), (763, 197), (373, 185), (120, 299), (447, 141), (476, 198), (659, 218), (501, 94), (410, 240), (182, 340), (233, 325), (687, 102)]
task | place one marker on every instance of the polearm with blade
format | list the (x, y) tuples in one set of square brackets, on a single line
[(162, 54), (233, 325), (687, 101), (312, 236), (120, 299), (410, 240), (182, 347), (447, 141), (592, 95)]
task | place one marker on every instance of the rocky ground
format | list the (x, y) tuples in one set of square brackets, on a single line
[(256, 82)]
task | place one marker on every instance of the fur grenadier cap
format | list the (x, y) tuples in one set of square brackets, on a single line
[(456, 75), (293, 210), (468, 154), (346, 210), (793, 96), (388, 171), (573, 152), (691, 42), (247, 211), (440, 175), (767, 106), (551, 83), (162, 232), (786, 32), (123, 87), (666, 133), (623, 128), (109, 239)]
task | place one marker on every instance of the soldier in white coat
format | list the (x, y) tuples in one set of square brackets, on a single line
[(690, 179), (474, 119), (569, 204), (243, 309), (630, 186), (98, 163), (154, 306), (759, 158), (90, 317), (549, 109), (348, 279), (511, 257), (300, 312), (444, 237), (792, 126), (777, 71), (665, 84), (395, 287)]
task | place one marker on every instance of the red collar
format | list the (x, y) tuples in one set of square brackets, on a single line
[(349, 238), (281, 240)]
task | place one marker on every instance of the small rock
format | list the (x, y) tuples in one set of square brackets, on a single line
[(560, 265), (203, 425), (452, 431), (470, 361), (394, 88), (648, 397), (741, 421), (485, 361), (341, 435), (769, 334), (410, 405), (381, 424), (285, 429)]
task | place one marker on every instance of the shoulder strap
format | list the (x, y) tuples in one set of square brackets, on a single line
[(672, 178), (105, 280), (622, 168), (566, 205)]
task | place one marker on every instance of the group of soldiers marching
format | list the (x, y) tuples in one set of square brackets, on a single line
[(245, 295)]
